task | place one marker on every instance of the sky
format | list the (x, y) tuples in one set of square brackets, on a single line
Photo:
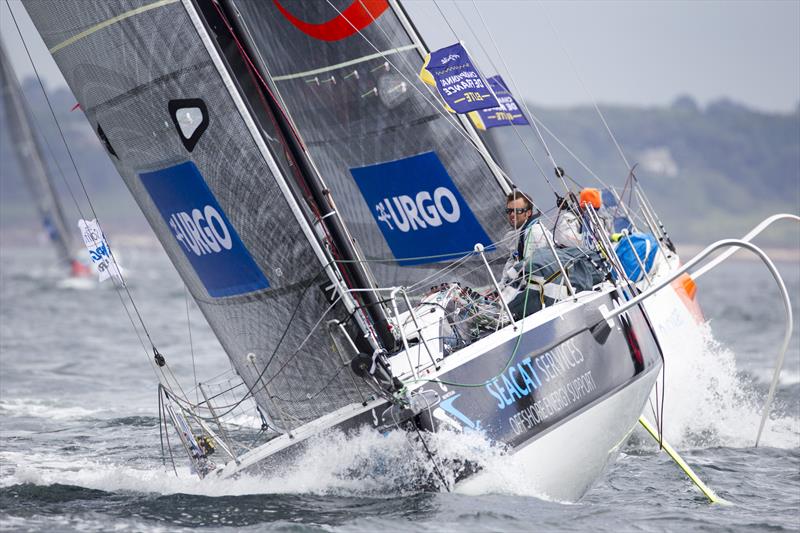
[(643, 53)]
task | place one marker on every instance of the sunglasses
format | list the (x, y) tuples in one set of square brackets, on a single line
[(517, 210)]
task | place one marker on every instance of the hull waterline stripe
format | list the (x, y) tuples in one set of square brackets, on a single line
[(345, 64), (109, 22)]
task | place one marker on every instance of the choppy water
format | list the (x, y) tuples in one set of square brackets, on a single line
[(80, 444)]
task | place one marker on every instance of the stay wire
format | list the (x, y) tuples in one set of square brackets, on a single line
[(78, 175), (259, 382), (596, 107), (452, 121), (191, 344), (534, 125), (516, 90), (514, 127), (432, 459)]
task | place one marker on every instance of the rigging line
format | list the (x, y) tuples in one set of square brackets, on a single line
[(430, 456), (80, 179), (453, 121), (447, 21), (516, 90), (514, 127), (482, 151), (281, 105), (308, 397), (450, 120), (252, 389), (510, 122), (594, 103), (77, 204), (191, 344), (571, 153), (585, 87)]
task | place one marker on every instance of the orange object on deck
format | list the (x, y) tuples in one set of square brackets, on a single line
[(592, 197)]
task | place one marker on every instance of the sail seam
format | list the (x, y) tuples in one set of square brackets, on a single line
[(109, 22), (345, 64)]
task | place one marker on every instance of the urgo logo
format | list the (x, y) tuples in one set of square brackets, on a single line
[(425, 210), (419, 210), (201, 232), (207, 238)]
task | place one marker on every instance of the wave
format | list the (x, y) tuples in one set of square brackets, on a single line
[(709, 402)]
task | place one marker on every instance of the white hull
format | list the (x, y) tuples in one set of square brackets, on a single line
[(565, 462)]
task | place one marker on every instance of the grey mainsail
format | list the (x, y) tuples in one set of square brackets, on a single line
[(347, 74), (31, 159), (211, 185)]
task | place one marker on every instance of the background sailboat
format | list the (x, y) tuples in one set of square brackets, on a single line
[(38, 175)]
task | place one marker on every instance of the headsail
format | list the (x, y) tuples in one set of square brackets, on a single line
[(32, 159), (412, 189), (213, 187)]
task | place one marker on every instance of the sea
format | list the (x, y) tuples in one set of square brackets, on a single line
[(80, 447)]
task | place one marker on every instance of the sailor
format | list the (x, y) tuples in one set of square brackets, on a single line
[(526, 236), (531, 276), (568, 228)]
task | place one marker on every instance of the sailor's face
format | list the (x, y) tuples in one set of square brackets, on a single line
[(518, 213)]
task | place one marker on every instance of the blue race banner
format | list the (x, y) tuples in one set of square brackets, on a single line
[(507, 113), (451, 71), (420, 212), (205, 234)]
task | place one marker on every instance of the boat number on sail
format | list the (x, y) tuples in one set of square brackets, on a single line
[(419, 210), (204, 233)]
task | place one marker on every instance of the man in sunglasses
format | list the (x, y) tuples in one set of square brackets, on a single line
[(525, 237)]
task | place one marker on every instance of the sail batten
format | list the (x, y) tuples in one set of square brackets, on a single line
[(350, 63)]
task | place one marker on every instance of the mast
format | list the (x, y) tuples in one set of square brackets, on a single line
[(346, 256)]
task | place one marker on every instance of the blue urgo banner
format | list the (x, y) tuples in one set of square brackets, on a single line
[(421, 213), (204, 232), (458, 80)]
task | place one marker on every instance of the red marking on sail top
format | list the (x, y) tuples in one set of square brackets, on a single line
[(356, 17), (76, 106)]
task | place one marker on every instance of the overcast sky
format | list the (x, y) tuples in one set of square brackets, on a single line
[(627, 52)]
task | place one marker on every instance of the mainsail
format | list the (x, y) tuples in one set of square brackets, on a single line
[(407, 179), (31, 159)]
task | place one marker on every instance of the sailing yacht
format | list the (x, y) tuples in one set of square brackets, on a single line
[(343, 235), (36, 173)]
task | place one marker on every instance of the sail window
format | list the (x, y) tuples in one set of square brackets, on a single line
[(191, 120)]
